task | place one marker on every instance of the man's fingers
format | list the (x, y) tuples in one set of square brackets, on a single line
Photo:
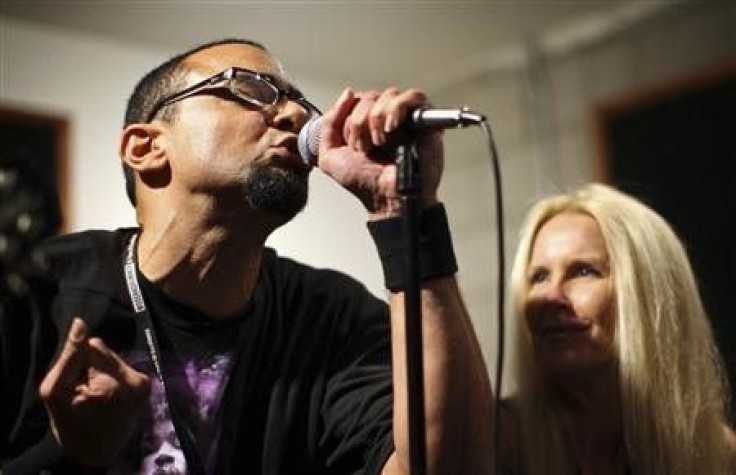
[(104, 359), (72, 360), (334, 120), (398, 105), (378, 118), (356, 129)]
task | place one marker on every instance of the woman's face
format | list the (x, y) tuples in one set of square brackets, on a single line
[(569, 308)]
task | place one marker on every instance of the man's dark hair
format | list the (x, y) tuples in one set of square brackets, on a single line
[(166, 79)]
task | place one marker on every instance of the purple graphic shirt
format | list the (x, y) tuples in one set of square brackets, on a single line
[(157, 450)]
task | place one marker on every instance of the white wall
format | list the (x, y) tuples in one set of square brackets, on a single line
[(87, 79)]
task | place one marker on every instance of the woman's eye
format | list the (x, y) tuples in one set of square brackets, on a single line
[(585, 270), (538, 277)]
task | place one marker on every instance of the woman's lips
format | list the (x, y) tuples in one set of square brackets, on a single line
[(564, 329)]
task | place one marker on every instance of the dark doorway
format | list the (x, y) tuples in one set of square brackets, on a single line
[(33, 192), (37, 144), (675, 148)]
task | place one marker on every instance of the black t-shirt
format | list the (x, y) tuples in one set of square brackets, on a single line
[(309, 386), (197, 353)]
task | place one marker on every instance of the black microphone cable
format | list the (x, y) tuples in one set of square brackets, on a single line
[(501, 273)]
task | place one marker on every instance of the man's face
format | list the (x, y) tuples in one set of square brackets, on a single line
[(239, 154)]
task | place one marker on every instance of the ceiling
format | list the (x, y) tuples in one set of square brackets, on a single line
[(367, 44)]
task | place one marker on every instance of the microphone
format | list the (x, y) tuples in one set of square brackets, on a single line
[(420, 119)]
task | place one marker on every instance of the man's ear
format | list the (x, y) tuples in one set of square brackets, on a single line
[(143, 147)]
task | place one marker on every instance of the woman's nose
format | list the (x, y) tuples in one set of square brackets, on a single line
[(555, 291), (547, 300)]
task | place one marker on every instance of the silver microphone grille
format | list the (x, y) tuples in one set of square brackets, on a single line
[(309, 139)]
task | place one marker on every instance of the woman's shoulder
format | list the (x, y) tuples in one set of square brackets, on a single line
[(730, 446)]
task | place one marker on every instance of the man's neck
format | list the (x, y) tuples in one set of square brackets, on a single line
[(211, 267)]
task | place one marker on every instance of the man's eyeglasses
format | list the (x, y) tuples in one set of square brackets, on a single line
[(257, 89)]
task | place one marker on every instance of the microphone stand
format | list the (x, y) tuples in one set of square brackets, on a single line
[(408, 186)]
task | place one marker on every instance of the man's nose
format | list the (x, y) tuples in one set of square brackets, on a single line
[(288, 116)]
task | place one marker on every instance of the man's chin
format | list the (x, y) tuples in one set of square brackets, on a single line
[(281, 193)]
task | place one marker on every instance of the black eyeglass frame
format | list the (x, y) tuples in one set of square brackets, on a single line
[(229, 77)]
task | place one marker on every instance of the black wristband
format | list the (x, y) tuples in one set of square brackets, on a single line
[(436, 254)]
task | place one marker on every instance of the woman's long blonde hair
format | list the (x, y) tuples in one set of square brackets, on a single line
[(671, 382)]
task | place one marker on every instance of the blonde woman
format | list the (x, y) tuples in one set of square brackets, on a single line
[(617, 367)]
